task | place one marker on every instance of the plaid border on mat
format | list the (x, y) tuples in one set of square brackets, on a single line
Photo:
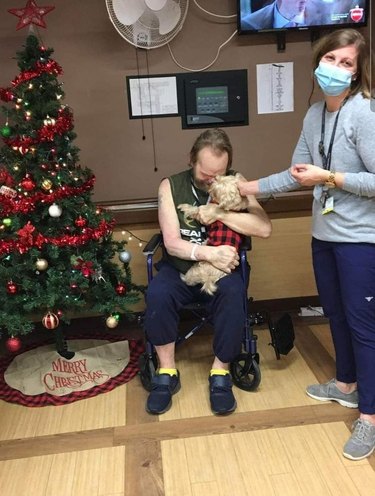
[(45, 399)]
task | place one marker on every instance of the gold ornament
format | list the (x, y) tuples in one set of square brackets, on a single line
[(50, 321), (41, 264), (47, 184), (111, 322)]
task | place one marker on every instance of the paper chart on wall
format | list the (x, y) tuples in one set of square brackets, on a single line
[(275, 87), (153, 96)]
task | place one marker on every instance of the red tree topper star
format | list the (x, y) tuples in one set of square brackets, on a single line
[(31, 14)]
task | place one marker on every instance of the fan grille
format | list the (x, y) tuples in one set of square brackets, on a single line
[(144, 33)]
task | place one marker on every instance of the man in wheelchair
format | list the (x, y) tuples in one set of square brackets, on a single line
[(210, 156)]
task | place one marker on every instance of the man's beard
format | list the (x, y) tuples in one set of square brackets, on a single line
[(201, 185)]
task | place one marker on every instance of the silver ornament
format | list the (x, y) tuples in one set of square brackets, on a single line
[(55, 210), (125, 256)]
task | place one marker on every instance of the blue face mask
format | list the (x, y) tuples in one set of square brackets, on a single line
[(332, 80)]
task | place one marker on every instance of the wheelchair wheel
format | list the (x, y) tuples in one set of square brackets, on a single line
[(245, 372), (147, 368)]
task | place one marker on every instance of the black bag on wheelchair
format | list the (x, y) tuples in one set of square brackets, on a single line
[(283, 334)]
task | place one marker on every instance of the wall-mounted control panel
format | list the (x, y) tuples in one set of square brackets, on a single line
[(213, 99)]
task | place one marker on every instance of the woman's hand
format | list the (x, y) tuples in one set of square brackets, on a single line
[(248, 187), (308, 174)]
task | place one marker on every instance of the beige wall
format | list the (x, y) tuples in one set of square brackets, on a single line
[(96, 61), (281, 265)]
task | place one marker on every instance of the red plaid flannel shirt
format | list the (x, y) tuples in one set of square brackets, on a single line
[(220, 234)]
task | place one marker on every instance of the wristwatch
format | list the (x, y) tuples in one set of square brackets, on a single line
[(330, 182)]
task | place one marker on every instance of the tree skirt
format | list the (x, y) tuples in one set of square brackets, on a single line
[(40, 376)]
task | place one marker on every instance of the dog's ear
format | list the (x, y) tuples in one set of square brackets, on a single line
[(230, 198), (228, 194)]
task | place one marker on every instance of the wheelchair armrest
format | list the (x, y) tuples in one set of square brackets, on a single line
[(246, 244), (153, 244)]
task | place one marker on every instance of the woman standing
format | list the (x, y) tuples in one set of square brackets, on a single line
[(338, 137)]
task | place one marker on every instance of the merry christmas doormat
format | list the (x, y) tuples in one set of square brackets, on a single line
[(41, 377)]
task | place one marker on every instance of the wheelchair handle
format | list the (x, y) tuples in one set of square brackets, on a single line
[(153, 244)]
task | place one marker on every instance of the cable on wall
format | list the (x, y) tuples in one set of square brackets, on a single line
[(207, 66), (212, 14), (140, 97), (219, 49), (152, 120)]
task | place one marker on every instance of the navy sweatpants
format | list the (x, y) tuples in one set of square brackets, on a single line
[(167, 294), (345, 277)]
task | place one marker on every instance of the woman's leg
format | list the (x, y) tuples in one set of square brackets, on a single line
[(327, 276), (356, 266)]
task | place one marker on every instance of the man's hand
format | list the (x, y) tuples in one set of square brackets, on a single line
[(209, 213), (223, 257)]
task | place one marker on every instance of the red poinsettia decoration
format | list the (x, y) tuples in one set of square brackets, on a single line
[(85, 267)]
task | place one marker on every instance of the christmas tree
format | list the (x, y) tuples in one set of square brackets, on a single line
[(57, 252)]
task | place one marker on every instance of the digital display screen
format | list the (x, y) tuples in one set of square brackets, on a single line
[(212, 100), (274, 15)]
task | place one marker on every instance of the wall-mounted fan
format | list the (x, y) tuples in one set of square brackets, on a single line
[(147, 23)]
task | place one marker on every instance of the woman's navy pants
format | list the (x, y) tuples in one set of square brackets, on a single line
[(345, 278)]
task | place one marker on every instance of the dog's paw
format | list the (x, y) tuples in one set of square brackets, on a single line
[(188, 210), (183, 206)]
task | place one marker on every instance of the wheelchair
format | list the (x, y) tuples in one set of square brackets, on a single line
[(245, 369)]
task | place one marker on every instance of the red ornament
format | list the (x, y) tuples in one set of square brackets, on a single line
[(31, 14), (80, 222), (13, 344), (6, 178), (28, 184), (6, 95), (120, 289), (50, 321), (11, 287)]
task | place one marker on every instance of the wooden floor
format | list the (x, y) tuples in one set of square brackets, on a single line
[(278, 442)]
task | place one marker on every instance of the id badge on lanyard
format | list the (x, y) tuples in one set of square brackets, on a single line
[(326, 199), (327, 202)]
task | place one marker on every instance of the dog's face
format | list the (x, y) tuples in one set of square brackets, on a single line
[(225, 193)]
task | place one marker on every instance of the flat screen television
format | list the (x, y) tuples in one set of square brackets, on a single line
[(254, 16)]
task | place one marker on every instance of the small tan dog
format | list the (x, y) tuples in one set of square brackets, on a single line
[(225, 194)]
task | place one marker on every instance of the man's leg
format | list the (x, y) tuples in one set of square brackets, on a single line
[(229, 322), (166, 295)]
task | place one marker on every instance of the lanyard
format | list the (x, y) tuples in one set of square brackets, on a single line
[(326, 159), (195, 193)]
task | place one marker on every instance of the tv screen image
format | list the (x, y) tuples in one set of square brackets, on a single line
[(280, 15)]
